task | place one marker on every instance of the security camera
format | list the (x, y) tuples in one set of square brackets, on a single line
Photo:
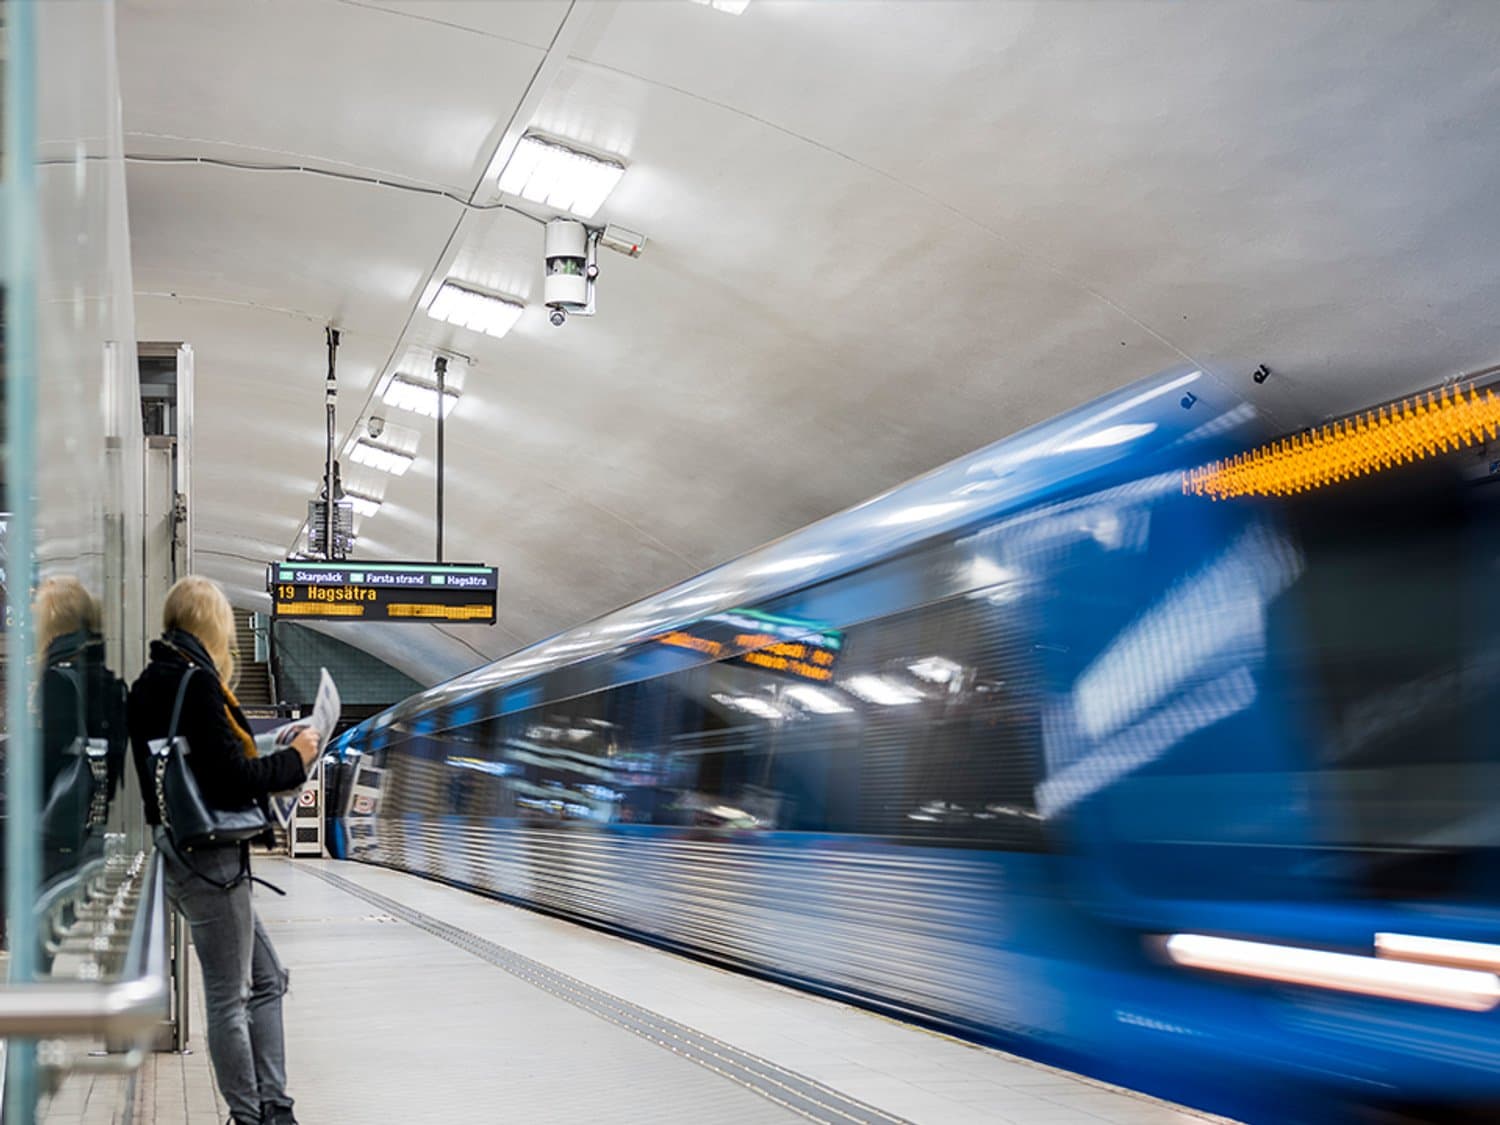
[(568, 283), (376, 425)]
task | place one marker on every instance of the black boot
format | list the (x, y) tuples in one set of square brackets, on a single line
[(277, 1115)]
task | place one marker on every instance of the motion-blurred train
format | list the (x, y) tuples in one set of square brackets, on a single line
[(1136, 743)]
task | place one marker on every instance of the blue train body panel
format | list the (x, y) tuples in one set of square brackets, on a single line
[(984, 750)]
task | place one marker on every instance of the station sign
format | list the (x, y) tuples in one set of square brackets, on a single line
[(434, 593)]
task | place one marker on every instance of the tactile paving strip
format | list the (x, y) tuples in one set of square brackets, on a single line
[(786, 1088)]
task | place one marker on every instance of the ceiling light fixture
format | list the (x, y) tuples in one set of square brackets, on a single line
[(363, 505), (547, 171), (406, 392), (473, 309), (382, 457), (733, 7)]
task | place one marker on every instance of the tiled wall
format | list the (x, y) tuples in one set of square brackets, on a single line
[(362, 679)]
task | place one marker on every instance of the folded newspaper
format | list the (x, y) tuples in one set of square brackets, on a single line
[(324, 718)]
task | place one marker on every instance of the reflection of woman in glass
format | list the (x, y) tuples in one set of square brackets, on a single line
[(82, 705)]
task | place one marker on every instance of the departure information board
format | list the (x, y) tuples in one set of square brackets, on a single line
[(436, 593)]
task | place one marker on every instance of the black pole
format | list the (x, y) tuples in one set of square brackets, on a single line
[(441, 366), (330, 396)]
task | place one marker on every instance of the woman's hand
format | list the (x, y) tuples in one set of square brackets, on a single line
[(306, 745)]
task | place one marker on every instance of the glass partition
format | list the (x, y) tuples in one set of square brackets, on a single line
[(76, 864)]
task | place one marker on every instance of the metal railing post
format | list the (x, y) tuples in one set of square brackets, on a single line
[(181, 985)]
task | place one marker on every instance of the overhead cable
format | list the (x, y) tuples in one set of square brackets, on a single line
[(327, 173)]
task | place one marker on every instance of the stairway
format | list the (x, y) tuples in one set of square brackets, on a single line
[(254, 687)]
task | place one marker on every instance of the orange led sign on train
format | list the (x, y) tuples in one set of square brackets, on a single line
[(784, 645), (1413, 429)]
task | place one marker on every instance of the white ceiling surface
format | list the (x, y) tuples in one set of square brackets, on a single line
[(881, 235)]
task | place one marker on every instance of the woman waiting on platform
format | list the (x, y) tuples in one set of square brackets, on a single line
[(243, 982)]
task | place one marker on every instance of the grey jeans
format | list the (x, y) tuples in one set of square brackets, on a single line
[(243, 982)]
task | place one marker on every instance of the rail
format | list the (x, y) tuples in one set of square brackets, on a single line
[(131, 1007)]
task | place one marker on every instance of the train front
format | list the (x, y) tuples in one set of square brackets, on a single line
[(1271, 686)]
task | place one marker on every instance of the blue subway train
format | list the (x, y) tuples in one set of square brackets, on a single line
[(1138, 743)]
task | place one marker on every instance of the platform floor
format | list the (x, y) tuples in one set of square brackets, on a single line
[(416, 1002)]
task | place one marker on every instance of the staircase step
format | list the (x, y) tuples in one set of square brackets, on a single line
[(254, 689)]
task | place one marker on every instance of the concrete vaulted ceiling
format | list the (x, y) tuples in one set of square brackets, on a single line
[(881, 235)]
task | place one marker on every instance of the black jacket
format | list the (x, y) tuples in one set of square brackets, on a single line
[(227, 777)]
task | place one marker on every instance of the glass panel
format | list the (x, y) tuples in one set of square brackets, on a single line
[(70, 519), (22, 782)]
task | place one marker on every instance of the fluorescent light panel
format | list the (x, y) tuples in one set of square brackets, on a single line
[(472, 309), (733, 7), (750, 704), (545, 171), (816, 699), (406, 392), (363, 505), (382, 457), (878, 689)]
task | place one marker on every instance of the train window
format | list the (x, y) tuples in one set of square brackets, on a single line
[(920, 725), (717, 745), (567, 761), (949, 739)]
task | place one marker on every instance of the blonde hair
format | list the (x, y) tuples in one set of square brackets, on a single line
[(62, 606), (197, 605)]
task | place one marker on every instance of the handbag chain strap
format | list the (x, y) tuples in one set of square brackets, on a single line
[(161, 759), (99, 801), (98, 764)]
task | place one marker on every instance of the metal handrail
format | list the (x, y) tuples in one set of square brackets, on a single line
[(130, 1007)]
